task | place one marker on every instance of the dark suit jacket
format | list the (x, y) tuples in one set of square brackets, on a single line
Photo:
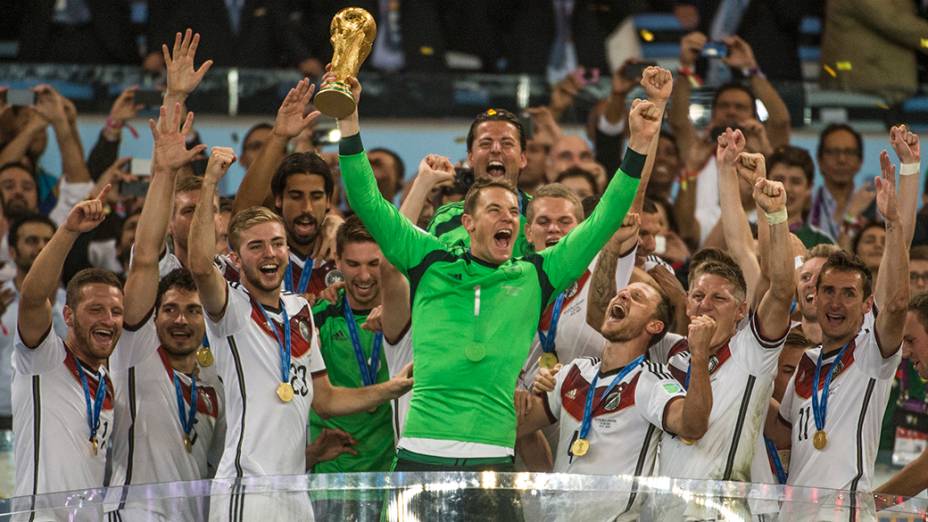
[(532, 33), (421, 30), (267, 35), (109, 20)]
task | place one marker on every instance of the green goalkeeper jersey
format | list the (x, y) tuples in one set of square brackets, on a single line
[(446, 225), (473, 321), (372, 431)]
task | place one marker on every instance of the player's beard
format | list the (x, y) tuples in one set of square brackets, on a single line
[(86, 343), (304, 239), (254, 277), (370, 300)]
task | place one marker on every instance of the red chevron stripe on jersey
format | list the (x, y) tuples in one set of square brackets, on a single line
[(71, 362), (573, 395), (806, 371), (301, 329), (207, 401)]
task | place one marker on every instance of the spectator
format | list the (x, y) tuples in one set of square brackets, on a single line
[(793, 167), (77, 31), (840, 155), (871, 46), (918, 269), (568, 151), (253, 142), (734, 105), (579, 181), (259, 33), (389, 170), (868, 246)]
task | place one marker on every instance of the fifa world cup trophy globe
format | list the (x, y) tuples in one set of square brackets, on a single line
[(353, 32)]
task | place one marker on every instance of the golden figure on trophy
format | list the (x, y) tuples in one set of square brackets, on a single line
[(353, 32)]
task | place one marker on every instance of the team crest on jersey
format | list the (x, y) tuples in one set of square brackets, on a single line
[(572, 394), (615, 398), (304, 328), (713, 363)]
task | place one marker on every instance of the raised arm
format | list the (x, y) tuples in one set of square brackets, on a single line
[(17, 148), (566, 261), (892, 288), (182, 77), (908, 150), (168, 156), (912, 480), (774, 308), (741, 57), (35, 308), (290, 121), (202, 240), (689, 417), (683, 130), (51, 106), (734, 221), (404, 245), (434, 171), (603, 285)]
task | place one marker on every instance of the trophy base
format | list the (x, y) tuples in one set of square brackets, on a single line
[(335, 100)]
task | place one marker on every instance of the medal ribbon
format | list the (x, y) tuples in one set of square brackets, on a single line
[(96, 405), (368, 372), (775, 458), (282, 343), (305, 275), (187, 419), (587, 421), (820, 405), (547, 340)]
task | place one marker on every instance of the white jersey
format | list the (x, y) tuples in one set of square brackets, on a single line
[(398, 355), (857, 399), (741, 376), (52, 436), (626, 426), (8, 334), (574, 337), (248, 359), (148, 441)]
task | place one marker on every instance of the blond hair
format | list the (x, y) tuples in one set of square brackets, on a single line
[(247, 219)]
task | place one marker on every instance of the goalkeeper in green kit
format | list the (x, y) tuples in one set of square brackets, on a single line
[(476, 311)]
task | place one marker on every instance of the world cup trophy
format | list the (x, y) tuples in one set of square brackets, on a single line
[(353, 32)]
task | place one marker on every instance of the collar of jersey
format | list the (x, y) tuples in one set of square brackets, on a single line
[(614, 370), (343, 297), (472, 257)]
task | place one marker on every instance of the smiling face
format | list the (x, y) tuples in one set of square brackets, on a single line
[(719, 298), (303, 206), (359, 263), (493, 225), (95, 323), (179, 321), (552, 219), (840, 303), (496, 153), (262, 255), (805, 287), (632, 314), (915, 343)]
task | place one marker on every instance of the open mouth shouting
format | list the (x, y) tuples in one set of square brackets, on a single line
[(617, 312), (181, 335), (304, 225), (496, 169), (502, 238), (269, 269), (833, 319)]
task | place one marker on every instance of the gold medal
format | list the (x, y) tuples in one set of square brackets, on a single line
[(204, 357), (548, 360), (820, 440), (580, 447), (285, 392), (187, 444), (93, 447)]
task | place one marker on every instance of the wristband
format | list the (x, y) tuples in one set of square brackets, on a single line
[(775, 218), (908, 169), (750, 72), (113, 123)]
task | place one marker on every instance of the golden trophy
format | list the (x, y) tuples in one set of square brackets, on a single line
[(353, 31)]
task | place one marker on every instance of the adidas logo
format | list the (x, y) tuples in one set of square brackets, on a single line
[(340, 336), (455, 276)]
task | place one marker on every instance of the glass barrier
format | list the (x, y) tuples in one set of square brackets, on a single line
[(412, 497)]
